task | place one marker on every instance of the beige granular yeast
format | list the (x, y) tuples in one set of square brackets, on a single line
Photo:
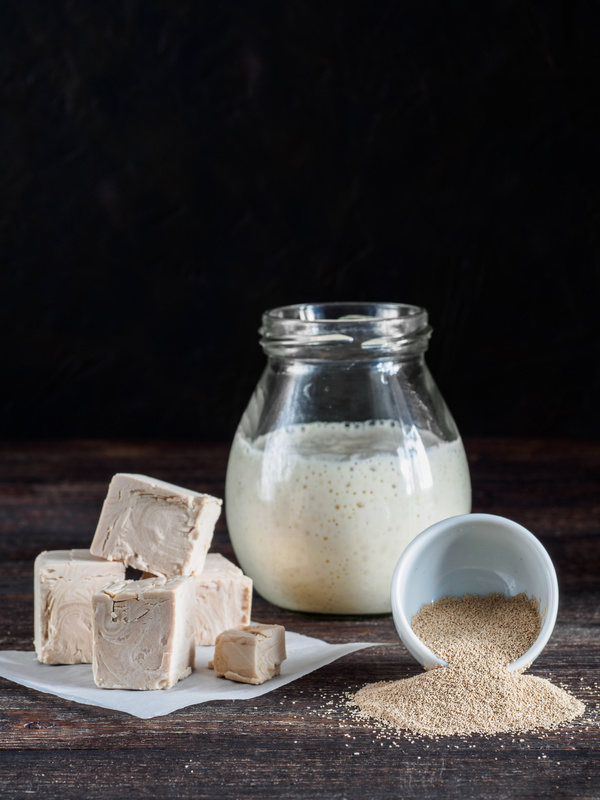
[(476, 693), (509, 624)]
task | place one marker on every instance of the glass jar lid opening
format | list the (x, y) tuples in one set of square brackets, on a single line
[(345, 329)]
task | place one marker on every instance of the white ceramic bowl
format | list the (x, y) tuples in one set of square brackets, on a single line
[(472, 554)]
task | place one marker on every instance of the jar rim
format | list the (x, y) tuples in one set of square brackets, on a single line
[(345, 329), (354, 311)]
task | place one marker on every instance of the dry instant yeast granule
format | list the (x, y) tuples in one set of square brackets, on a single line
[(475, 693)]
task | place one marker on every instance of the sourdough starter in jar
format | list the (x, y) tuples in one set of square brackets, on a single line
[(323, 511)]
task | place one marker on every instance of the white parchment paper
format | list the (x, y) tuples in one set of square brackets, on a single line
[(75, 682)]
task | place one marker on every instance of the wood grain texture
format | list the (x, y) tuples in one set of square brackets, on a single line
[(298, 741)]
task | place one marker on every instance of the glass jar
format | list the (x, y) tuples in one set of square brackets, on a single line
[(344, 454)]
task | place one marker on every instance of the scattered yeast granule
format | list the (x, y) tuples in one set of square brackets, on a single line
[(476, 693)]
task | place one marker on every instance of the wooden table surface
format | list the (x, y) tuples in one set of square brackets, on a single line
[(289, 743)]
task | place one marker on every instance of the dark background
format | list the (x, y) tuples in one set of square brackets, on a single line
[(169, 170)]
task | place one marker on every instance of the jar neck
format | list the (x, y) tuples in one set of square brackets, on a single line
[(345, 331)]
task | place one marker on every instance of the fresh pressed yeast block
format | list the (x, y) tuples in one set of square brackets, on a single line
[(144, 633), (64, 582), (250, 654), (155, 526), (223, 598)]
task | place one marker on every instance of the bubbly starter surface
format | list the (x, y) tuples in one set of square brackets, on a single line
[(319, 514)]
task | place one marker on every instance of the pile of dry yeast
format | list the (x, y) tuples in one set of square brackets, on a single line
[(476, 693)]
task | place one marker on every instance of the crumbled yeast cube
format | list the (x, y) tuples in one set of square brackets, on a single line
[(223, 598), (144, 633), (249, 654), (64, 582), (155, 526)]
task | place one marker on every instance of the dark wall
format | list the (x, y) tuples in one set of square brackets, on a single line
[(171, 169)]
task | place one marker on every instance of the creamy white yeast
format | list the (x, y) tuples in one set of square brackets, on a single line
[(319, 514)]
